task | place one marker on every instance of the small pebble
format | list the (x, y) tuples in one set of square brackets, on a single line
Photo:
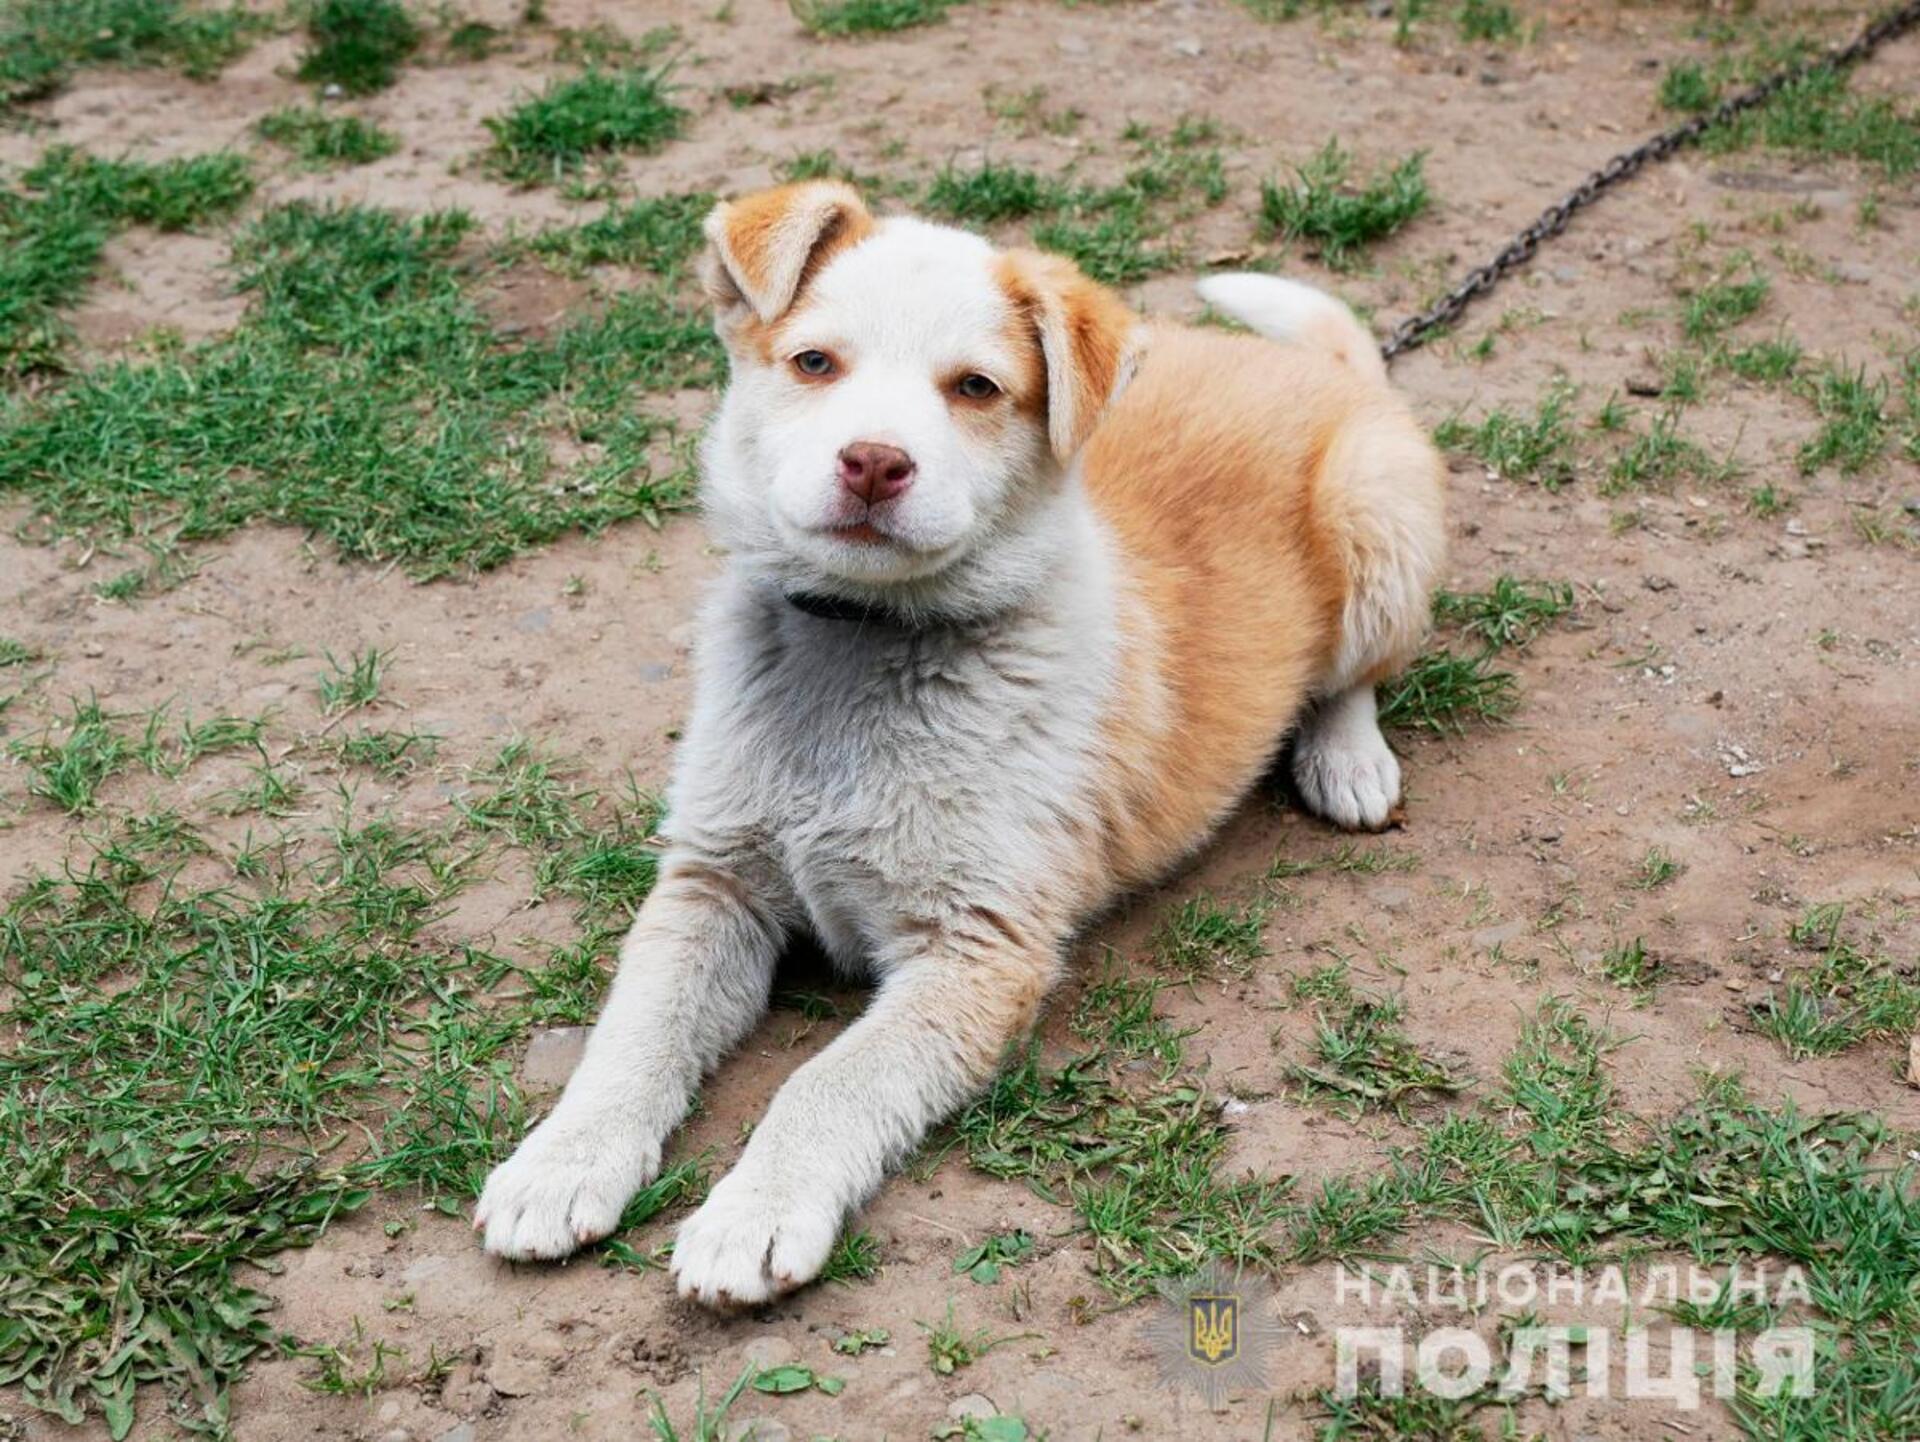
[(974, 1404)]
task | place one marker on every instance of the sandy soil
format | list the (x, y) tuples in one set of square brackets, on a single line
[(1696, 632)]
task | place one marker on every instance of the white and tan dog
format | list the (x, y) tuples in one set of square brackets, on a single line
[(1022, 596)]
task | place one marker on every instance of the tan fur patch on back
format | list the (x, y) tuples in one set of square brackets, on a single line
[(1210, 472)]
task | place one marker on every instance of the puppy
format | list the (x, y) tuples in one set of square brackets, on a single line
[(1022, 596)]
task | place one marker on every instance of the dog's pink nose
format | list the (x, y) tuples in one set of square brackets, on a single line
[(874, 472)]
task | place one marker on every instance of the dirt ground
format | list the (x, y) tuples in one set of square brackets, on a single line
[(1743, 691)]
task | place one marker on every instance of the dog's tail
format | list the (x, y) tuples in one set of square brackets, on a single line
[(1295, 314)]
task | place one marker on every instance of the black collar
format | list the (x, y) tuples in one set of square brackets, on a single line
[(845, 608)]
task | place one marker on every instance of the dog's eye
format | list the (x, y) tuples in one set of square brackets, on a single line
[(976, 387), (813, 363)]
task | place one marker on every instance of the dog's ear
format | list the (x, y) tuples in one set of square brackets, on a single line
[(764, 246), (1086, 337)]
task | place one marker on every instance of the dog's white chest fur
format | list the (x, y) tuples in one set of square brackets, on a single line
[(883, 777)]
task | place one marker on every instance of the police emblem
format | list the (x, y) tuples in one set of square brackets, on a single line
[(1213, 1331), (1215, 1337)]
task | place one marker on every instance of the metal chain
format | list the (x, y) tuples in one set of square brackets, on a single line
[(1417, 329)]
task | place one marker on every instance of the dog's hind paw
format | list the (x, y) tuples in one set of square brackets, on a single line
[(563, 1188), (753, 1239), (1343, 767)]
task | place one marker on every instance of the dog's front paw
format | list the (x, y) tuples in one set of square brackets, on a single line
[(1348, 774), (564, 1186), (756, 1237)]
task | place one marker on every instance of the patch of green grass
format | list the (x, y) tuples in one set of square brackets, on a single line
[(815, 165), (1363, 1057), (1910, 403), (1556, 1166), (1804, 1022), (1182, 166), (660, 234), (1729, 1309), (218, 734), (1329, 983), (320, 139), (268, 790), (1657, 868), (1580, 1175), (358, 45), (950, 1347), (366, 398), (349, 685), (1854, 420), (1351, 860), (1337, 217), (600, 43), (528, 797), (1372, 1414), (992, 193), (473, 40), (43, 41), (1630, 965), (16, 653), (868, 17), (1722, 302), (1356, 1218), (1487, 20), (169, 195), (49, 249), (1658, 455), (1846, 997), (1133, 1150), (342, 1373), (1819, 116), (685, 1183), (1511, 612), (1768, 500), (395, 755), (854, 1258), (1687, 87), (1119, 1015), (1381, 860), (1027, 110), (1115, 249), (52, 232), (550, 136), (1273, 12), (1116, 233), (533, 800), (68, 771), (1201, 936), (185, 1057), (1683, 377), (1768, 361), (1443, 690), (1517, 449), (705, 1425), (167, 565)]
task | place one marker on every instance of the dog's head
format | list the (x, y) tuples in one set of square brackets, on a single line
[(903, 395)]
